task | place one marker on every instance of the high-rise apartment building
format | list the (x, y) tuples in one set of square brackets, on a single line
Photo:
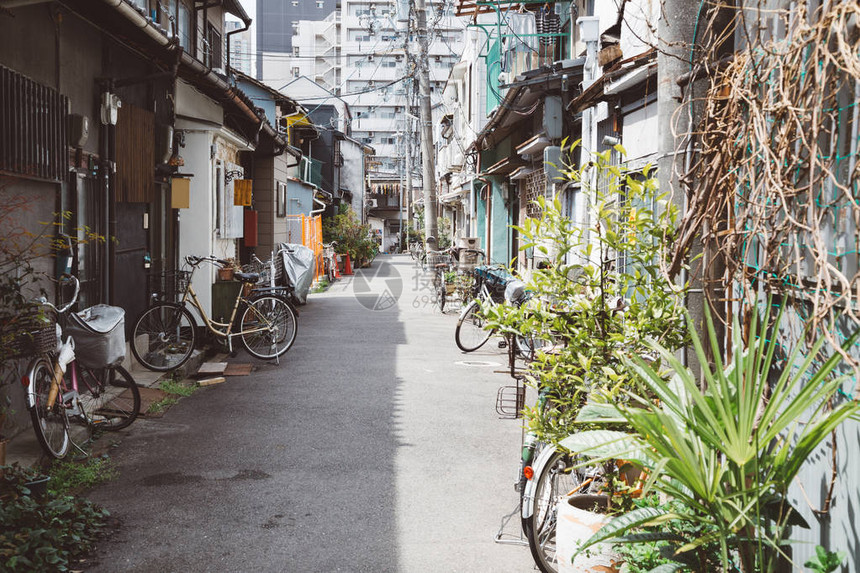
[(278, 21), (241, 47), (361, 54)]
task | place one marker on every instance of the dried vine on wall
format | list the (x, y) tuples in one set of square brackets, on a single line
[(773, 183)]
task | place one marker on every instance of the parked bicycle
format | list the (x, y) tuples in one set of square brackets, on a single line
[(416, 250), (488, 290), (165, 334), (81, 380), (441, 263)]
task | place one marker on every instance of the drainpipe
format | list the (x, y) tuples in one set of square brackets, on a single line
[(318, 211), (247, 25), (589, 32)]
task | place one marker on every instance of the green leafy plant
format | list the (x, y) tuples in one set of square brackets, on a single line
[(351, 236), (71, 477), (48, 534), (825, 561), (321, 286), (175, 390), (597, 291), (726, 447)]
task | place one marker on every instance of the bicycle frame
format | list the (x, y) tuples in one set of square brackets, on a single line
[(214, 326)]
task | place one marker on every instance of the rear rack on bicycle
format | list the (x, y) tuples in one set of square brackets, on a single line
[(510, 400), (167, 285)]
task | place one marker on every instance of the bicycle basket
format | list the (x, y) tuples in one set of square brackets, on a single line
[(168, 285), (510, 401), (99, 334), (37, 334), (437, 258)]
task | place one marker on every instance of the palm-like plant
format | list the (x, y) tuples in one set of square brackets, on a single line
[(727, 448)]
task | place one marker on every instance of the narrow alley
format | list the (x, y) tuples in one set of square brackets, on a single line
[(373, 446)]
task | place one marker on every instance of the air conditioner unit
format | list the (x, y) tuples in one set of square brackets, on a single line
[(369, 134), (370, 58), (373, 203)]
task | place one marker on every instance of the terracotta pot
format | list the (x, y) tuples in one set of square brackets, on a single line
[(225, 274)]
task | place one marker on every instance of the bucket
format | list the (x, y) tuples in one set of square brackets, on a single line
[(576, 524)]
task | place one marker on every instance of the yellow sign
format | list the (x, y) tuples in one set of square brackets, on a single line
[(180, 193), (242, 191)]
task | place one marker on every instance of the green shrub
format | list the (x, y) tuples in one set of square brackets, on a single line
[(47, 534), (70, 477)]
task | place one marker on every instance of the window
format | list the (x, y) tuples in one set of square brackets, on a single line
[(320, 4), (184, 27), (295, 50), (281, 199), (296, 72), (213, 54)]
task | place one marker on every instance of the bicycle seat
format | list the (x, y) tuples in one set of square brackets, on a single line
[(247, 277)]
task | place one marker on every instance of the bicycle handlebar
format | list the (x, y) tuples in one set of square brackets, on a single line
[(66, 307), (195, 260)]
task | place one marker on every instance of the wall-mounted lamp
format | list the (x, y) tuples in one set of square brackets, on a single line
[(230, 175)]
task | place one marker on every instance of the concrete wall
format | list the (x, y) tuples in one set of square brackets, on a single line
[(500, 244), (268, 173), (299, 198), (352, 175)]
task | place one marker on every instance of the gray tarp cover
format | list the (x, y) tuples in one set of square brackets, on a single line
[(299, 265)]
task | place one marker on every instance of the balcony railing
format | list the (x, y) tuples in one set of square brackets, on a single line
[(310, 171)]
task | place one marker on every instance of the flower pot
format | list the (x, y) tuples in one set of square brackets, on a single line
[(225, 274), (580, 517), (450, 288), (3, 443), (38, 487)]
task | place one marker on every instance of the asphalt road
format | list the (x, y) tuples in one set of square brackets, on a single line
[(373, 446)]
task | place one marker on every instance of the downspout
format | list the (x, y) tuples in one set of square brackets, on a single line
[(320, 202), (190, 62), (247, 25)]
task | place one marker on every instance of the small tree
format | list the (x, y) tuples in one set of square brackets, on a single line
[(599, 288), (350, 235)]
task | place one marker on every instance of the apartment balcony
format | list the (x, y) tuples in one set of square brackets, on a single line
[(310, 171), (450, 158)]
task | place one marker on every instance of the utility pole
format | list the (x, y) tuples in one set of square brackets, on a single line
[(401, 196), (427, 147), (410, 193)]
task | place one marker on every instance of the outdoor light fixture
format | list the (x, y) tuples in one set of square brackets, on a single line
[(230, 175)]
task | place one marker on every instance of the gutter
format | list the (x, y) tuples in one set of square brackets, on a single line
[(194, 66)]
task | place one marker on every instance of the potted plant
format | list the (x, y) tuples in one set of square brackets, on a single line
[(736, 442), (450, 282), (226, 272), (6, 413)]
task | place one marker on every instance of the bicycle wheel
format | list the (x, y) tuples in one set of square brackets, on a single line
[(555, 481), (470, 334), (273, 327), (50, 424), (441, 290), (108, 397), (163, 337)]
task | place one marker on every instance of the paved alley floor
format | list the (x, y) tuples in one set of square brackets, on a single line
[(373, 446)]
